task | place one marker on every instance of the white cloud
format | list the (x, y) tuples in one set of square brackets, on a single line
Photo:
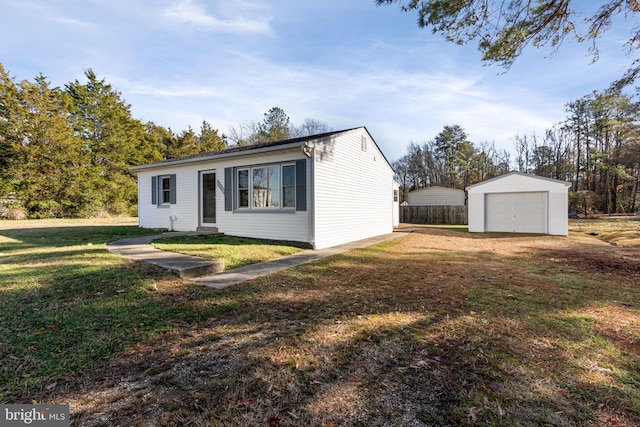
[(397, 107), (190, 12)]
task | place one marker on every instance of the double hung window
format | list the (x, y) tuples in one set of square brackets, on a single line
[(288, 186), (243, 188), (163, 190), (266, 187), (165, 185)]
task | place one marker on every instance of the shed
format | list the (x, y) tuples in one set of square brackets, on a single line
[(436, 196), (324, 190), (519, 203)]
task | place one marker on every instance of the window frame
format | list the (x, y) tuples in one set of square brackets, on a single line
[(284, 186), (250, 200), (164, 196), (247, 188)]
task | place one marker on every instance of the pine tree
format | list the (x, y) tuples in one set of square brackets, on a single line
[(276, 126), (113, 140)]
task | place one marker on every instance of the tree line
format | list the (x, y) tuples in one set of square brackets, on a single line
[(66, 152), (449, 160), (596, 148)]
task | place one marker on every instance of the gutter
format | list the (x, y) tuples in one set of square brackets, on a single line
[(215, 156)]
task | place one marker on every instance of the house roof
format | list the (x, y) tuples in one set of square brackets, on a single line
[(527, 175), (248, 149)]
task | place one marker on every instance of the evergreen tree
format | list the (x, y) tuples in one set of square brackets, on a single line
[(276, 126), (46, 168), (113, 139), (9, 141), (209, 140), (161, 141), (503, 29)]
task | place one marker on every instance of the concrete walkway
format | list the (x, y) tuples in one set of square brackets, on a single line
[(209, 272), (185, 266)]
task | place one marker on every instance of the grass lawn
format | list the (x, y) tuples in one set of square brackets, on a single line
[(619, 231), (234, 251), (436, 328), (67, 304)]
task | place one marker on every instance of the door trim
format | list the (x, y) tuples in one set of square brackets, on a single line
[(201, 175)]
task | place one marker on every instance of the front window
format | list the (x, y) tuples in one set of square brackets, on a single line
[(267, 187)]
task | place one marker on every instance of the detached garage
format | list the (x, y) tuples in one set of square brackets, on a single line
[(519, 203)]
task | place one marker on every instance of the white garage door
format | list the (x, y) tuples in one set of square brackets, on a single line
[(516, 212)]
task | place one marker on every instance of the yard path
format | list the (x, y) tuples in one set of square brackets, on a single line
[(210, 272)]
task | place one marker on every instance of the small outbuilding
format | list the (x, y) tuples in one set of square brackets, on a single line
[(436, 196), (519, 203)]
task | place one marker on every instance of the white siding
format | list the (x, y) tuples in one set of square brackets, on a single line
[(353, 190), (275, 225), (436, 196), (475, 207), (556, 199), (184, 211), (559, 212), (396, 204)]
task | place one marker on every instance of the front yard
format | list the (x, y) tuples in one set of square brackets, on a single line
[(436, 328)]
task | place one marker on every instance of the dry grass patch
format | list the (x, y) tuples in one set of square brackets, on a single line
[(437, 328), (617, 231)]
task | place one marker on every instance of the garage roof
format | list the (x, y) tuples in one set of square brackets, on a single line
[(557, 181)]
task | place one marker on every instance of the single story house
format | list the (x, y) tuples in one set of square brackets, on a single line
[(436, 196), (324, 190), (519, 203)]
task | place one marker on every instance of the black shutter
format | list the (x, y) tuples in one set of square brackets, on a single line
[(301, 185), (154, 190), (172, 189), (228, 189)]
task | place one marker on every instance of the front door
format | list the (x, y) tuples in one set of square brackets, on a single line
[(208, 201)]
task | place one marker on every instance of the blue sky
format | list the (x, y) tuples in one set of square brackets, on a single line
[(346, 62)]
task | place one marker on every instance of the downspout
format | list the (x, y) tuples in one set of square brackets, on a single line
[(309, 151)]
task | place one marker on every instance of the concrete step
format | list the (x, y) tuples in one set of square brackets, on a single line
[(208, 229), (188, 267), (185, 266)]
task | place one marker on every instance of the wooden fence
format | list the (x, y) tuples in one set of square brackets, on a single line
[(434, 215)]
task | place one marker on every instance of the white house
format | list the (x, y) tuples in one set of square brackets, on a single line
[(436, 196), (519, 203), (324, 190)]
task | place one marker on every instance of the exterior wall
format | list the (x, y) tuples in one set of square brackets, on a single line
[(475, 207), (353, 190), (436, 196), (515, 182), (558, 212), (275, 225), (396, 204)]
